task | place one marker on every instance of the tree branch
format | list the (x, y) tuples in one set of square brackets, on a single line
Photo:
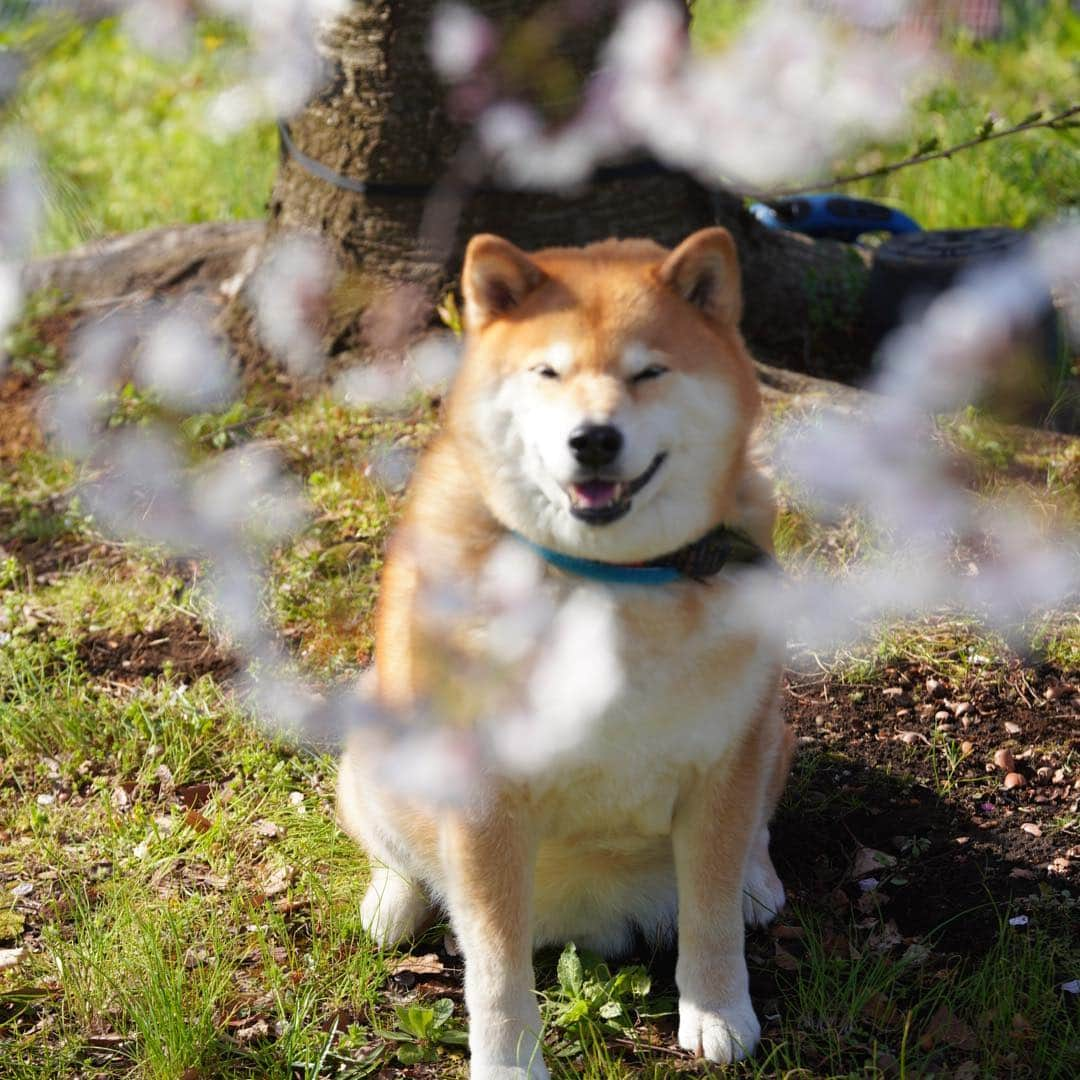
[(1057, 121)]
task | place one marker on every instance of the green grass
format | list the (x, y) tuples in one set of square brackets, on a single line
[(154, 949), (1020, 181), (125, 143), (124, 137)]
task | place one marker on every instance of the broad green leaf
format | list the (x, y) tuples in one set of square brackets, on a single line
[(570, 972)]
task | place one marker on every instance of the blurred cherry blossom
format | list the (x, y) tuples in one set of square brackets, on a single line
[(291, 292)]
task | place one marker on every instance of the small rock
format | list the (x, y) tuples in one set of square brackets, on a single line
[(967, 747), (1013, 780), (270, 829), (1012, 728), (909, 737), (961, 708), (1005, 760), (1031, 828), (942, 715), (46, 800), (1058, 691), (935, 688), (24, 888), (1019, 920)]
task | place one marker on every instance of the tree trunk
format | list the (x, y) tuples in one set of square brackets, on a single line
[(382, 118)]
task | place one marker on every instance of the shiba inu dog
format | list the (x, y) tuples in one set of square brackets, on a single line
[(601, 416)]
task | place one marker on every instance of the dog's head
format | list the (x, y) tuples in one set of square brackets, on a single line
[(606, 397)]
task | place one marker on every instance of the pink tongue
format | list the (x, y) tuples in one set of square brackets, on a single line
[(594, 493)]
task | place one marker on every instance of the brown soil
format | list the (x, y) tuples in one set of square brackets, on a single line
[(959, 837), (181, 646)]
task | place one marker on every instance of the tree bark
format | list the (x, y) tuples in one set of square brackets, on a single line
[(382, 117)]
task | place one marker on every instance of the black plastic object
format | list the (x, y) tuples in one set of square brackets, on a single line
[(909, 270)]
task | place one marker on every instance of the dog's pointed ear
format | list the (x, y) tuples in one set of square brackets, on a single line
[(704, 271), (496, 278)]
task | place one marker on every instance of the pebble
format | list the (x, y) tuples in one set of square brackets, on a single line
[(967, 746), (1013, 780), (1031, 828), (893, 691), (1012, 728), (1005, 760), (945, 727)]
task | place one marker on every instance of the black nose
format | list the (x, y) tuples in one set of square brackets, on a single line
[(595, 444)]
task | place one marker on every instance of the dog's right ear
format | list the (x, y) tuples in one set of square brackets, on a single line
[(495, 279)]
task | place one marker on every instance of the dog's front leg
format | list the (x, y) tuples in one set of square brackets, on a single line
[(490, 856), (716, 822)]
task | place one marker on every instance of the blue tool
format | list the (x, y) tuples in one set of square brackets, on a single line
[(835, 217)]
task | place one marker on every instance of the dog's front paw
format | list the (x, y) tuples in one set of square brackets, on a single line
[(723, 1034), (763, 893), (393, 908)]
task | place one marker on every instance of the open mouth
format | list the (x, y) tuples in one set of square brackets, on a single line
[(600, 502)]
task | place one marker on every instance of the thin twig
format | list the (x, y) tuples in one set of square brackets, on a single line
[(918, 159)]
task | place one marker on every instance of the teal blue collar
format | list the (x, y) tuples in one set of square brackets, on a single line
[(697, 561), (613, 573)]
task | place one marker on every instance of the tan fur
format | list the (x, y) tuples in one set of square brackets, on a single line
[(674, 784)]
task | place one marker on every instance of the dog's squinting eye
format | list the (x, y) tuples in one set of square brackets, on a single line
[(653, 371), (546, 372)]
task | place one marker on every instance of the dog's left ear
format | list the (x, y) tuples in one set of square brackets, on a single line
[(704, 271), (495, 278)]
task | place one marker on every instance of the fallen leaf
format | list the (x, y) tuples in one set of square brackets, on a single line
[(260, 1029), (946, 1029), (194, 796), (196, 821), (784, 960), (279, 880), (868, 860), (270, 829), (1031, 828), (428, 964), (878, 1007), (886, 937)]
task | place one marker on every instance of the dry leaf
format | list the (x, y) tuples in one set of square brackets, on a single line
[(945, 1029), (279, 880), (867, 860), (194, 820), (420, 966), (784, 960)]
